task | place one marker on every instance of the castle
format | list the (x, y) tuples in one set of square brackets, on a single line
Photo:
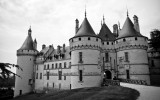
[(86, 61)]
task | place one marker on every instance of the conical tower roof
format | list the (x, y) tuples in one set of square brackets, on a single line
[(85, 29), (105, 34), (128, 30), (28, 43)]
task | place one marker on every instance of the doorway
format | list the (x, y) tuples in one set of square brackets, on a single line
[(108, 74)]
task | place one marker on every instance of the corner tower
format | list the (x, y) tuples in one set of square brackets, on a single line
[(132, 58), (85, 57), (25, 59)]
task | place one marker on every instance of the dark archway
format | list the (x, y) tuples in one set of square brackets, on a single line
[(108, 74)]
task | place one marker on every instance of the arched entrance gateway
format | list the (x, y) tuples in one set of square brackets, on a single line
[(107, 74)]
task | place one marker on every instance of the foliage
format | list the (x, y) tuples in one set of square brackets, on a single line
[(155, 39), (5, 72)]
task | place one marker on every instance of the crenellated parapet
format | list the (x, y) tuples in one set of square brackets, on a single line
[(27, 52), (85, 43), (131, 43)]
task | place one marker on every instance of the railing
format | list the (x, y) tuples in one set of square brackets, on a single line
[(140, 82), (107, 82)]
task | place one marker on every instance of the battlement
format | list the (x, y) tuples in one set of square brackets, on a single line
[(27, 52)]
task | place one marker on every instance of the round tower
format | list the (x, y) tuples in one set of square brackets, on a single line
[(25, 59), (132, 58), (85, 57)]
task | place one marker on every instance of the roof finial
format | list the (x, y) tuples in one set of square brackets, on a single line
[(127, 11), (103, 19), (85, 12), (29, 31)]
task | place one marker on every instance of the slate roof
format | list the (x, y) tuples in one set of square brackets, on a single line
[(105, 34), (128, 30), (28, 43), (85, 29)]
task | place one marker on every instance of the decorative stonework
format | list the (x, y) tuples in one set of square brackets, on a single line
[(127, 47), (85, 47)]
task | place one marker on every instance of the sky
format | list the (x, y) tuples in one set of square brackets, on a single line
[(53, 21)]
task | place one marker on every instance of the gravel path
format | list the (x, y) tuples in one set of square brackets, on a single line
[(146, 92)]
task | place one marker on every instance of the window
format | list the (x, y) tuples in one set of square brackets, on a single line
[(30, 82), (127, 72), (103, 43), (80, 57), (126, 56), (53, 84), (47, 84), (52, 66), (80, 75), (69, 64), (135, 38), (47, 75), (64, 77), (44, 66), (60, 75), (37, 76), (96, 39), (124, 40), (64, 64), (152, 63), (48, 66), (56, 65), (107, 43), (89, 38), (37, 67), (60, 65), (106, 57), (40, 75), (79, 39)]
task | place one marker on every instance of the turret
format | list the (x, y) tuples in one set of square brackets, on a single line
[(136, 23), (132, 58), (85, 49), (25, 59)]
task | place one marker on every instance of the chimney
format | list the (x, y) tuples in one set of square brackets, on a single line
[(77, 26), (115, 30), (136, 23), (35, 44), (58, 49), (64, 47), (43, 46)]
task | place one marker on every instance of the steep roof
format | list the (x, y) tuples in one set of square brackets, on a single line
[(85, 29), (28, 43), (105, 34), (128, 29)]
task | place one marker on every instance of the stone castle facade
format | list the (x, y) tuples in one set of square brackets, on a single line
[(87, 60)]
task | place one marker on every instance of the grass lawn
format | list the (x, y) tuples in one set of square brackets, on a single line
[(94, 93)]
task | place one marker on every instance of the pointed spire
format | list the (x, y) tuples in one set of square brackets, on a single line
[(85, 12), (103, 20), (127, 12), (29, 31)]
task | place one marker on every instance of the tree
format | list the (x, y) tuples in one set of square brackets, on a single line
[(5, 72), (155, 39)]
